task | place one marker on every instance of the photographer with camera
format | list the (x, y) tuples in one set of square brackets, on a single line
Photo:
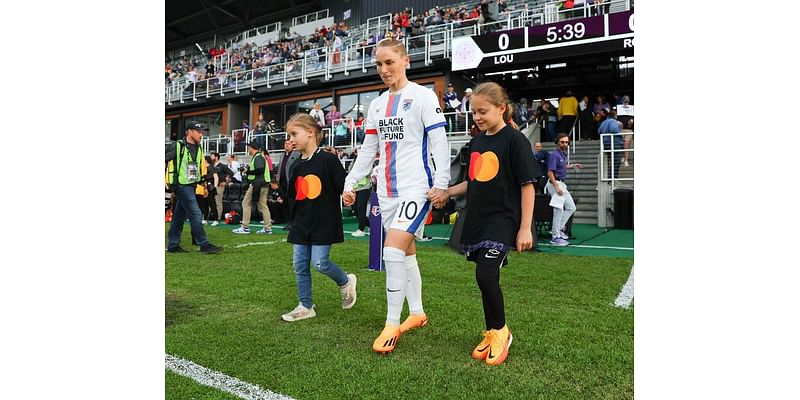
[(185, 160), (258, 177)]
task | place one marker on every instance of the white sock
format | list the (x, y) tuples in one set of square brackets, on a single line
[(393, 259), (414, 288)]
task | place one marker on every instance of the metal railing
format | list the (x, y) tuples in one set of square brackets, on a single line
[(616, 150), (434, 44), (310, 17)]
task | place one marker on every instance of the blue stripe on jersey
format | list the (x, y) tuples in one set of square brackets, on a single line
[(425, 158), (395, 105), (420, 218), (393, 171), (436, 125)]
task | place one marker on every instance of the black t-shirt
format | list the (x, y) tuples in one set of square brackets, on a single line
[(315, 185), (498, 166)]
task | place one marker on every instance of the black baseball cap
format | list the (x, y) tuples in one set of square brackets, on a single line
[(196, 125), (254, 145)]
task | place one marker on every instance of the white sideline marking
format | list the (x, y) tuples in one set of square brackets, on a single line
[(586, 246), (626, 294), (220, 381), (258, 243)]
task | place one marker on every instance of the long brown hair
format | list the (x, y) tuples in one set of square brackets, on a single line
[(307, 122)]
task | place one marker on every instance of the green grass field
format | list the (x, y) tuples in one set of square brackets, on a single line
[(223, 312)]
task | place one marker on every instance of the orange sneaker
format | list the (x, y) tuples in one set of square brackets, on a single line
[(498, 351), (414, 321), (482, 350), (387, 339)]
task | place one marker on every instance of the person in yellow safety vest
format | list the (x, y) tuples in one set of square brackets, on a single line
[(258, 177), (185, 162)]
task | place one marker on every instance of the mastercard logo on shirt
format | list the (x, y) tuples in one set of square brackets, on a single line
[(307, 187), (483, 167)]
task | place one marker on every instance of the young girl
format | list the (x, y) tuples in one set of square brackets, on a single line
[(406, 125), (500, 198), (315, 183)]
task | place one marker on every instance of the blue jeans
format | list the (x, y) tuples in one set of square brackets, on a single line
[(186, 207), (317, 255)]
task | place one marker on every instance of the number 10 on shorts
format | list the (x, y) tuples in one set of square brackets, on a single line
[(408, 210)]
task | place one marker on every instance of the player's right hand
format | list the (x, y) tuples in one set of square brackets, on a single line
[(348, 198)]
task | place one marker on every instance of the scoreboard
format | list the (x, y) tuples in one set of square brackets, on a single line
[(601, 33)]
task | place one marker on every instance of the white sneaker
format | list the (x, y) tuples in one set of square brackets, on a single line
[(299, 313), (563, 235), (358, 233), (241, 230), (348, 292), (264, 231), (203, 222), (214, 223)]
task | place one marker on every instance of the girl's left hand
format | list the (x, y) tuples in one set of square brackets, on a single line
[(524, 240)]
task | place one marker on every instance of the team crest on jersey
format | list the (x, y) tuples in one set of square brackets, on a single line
[(407, 104), (376, 210)]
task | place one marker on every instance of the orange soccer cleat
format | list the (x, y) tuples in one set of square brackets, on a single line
[(482, 349), (501, 341), (387, 339), (414, 321)]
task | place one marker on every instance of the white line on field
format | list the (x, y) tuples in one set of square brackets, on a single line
[(626, 294), (258, 243), (218, 380)]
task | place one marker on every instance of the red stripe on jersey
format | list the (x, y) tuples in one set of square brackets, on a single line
[(372, 131)]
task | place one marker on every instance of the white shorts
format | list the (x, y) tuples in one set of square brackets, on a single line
[(405, 213)]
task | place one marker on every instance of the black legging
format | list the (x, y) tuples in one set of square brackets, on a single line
[(362, 197), (210, 212), (488, 277)]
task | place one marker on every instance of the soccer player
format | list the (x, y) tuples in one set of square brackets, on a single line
[(406, 125), (315, 183), (499, 209)]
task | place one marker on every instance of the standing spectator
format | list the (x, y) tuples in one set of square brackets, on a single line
[(318, 115), (337, 49), (332, 115), (625, 110), (236, 168), (224, 175), (562, 202), (541, 157), (209, 69), (521, 113), (186, 160), (548, 118), (257, 177), (586, 123), (567, 112), (451, 103), (285, 167), (611, 125), (261, 130), (210, 212), (466, 107)]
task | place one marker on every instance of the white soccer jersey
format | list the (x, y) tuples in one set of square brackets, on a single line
[(407, 128)]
